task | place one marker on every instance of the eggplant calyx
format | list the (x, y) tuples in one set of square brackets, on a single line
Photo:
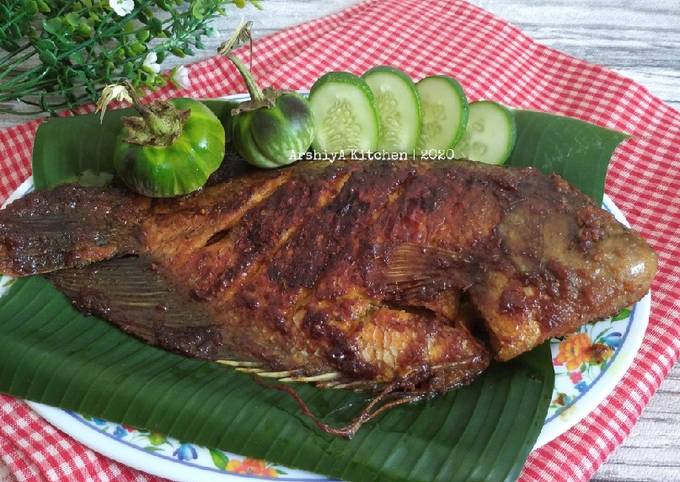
[(267, 101), (160, 124)]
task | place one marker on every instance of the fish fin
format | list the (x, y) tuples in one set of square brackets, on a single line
[(317, 379), (130, 293), (414, 273), (389, 397), (67, 227), (239, 363), (286, 376)]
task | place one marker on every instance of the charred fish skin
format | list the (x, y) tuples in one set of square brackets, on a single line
[(308, 295), (357, 269)]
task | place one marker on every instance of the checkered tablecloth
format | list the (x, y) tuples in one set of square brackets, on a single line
[(492, 59)]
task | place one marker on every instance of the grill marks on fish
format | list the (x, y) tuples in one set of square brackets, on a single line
[(260, 234), (327, 240), (245, 288), (284, 294), (181, 226)]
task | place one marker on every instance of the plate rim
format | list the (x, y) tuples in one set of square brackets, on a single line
[(135, 457)]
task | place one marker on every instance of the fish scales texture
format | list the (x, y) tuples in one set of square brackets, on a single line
[(368, 269)]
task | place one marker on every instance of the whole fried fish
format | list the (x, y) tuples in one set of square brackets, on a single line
[(352, 273)]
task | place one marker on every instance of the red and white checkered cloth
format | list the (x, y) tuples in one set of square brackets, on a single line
[(491, 59)]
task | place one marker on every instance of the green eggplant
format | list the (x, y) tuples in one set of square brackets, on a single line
[(170, 149), (275, 128)]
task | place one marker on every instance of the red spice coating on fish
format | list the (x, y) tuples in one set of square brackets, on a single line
[(355, 268)]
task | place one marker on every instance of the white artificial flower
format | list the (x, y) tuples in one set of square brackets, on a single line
[(122, 7), (151, 61), (110, 93), (180, 77)]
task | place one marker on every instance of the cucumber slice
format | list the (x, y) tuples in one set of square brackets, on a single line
[(445, 112), (345, 114), (490, 135), (398, 105)]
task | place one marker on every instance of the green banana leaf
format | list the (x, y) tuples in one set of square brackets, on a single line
[(576, 150), (80, 148), (52, 354)]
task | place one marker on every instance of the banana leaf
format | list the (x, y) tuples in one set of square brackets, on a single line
[(576, 150), (52, 354)]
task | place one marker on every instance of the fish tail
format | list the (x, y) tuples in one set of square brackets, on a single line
[(70, 226)]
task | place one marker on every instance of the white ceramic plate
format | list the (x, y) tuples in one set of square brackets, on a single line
[(583, 378)]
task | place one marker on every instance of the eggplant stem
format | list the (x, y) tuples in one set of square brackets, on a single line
[(255, 92), (137, 102), (241, 35)]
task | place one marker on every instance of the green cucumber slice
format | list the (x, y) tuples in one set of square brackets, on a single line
[(490, 135), (345, 114), (398, 105), (445, 112)]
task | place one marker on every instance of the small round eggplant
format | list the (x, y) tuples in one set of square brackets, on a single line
[(170, 149), (275, 128), (175, 164)]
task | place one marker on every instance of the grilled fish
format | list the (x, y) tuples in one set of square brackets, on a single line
[(351, 274)]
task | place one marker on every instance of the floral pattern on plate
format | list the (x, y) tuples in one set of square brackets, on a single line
[(184, 452), (579, 359)]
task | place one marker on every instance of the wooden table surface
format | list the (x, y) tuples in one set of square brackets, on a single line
[(638, 38)]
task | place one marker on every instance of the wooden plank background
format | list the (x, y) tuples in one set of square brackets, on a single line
[(638, 38)]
